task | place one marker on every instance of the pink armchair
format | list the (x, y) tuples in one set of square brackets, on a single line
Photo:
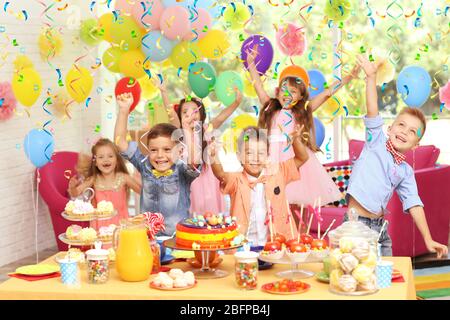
[(431, 179), (53, 189)]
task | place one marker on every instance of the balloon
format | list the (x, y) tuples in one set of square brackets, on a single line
[(39, 146), (111, 59), (149, 18), (291, 40), (249, 89), (104, 24), (126, 85), (202, 78), (317, 81), (320, 131), (184, 54), (149, 90), (22, 62), (79, 83), (236, 15), (243, 121), (89, 32), (60, 102), (229, 139), (212, 6), (214, 45), (175, 23), (414, 84), (444, 95), (156, 46), (27, 86), (126, 33), (264, 49), (201, 25), (331, 107), (125, 6), (131, 63), (226, 82), (337, 10), (50, 43)]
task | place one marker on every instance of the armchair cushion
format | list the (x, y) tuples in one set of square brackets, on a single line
[(341, 176)]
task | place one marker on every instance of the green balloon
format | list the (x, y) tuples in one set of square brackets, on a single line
[(226, 82), (126, 33), (90, 32), (111, 59), (202, 78)]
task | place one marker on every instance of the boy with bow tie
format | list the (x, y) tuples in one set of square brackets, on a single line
[(381, 168)]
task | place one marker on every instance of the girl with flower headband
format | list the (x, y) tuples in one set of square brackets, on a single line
[(280, 115), (105, 171), (190, 113)]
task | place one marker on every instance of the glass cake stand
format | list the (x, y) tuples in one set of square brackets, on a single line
[(205, 272)]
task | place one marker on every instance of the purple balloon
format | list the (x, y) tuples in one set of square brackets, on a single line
[(264, 57)]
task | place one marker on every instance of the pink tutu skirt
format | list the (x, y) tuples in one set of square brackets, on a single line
[(205, 193)]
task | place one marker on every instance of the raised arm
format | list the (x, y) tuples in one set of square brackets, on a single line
[(370, 68), (173, 117), (76, 187), (124, 102), (133, 183), (320, 99), (193, 142), (254, 74), (216, 166), (301, 155), (228, 111)]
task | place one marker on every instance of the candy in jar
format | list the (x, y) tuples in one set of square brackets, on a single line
[(154, 246), (246, 269), (98, 264)]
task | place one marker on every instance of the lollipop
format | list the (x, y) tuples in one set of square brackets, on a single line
[(154, 223)]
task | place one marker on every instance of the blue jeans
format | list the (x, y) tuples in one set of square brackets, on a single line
[(376, 224)]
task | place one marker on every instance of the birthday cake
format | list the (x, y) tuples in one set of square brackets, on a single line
[(208, 232)]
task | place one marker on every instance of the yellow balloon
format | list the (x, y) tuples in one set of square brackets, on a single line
[(185, 53), (111, 59), (126, 33), (157, 114), (22, 62), (330, 106), (104, 25), (131, 63), (229, 140), (214, 45), (79, 83), (50, 43), (235, 16), (148, 90), (249, 89), (27, 86), (244, 120)]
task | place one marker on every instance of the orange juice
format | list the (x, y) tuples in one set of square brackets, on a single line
[(134, 259)]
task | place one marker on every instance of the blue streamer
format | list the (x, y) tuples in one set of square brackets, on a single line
[(346, 110), (88, 100), (5, 6), (91, 6)]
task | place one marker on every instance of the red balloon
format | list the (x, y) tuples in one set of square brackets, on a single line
[(126, 85)]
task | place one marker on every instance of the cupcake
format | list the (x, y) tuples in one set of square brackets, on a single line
[(88, 235), (82, 209), (105, 208), (106, 233), (69, 207), (347, 283), (73, 232)]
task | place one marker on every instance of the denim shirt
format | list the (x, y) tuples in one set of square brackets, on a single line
[(169, 195), (375, 175)]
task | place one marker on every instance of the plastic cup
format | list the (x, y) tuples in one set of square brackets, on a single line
[(70, 272), (384, 273), (326, 265)]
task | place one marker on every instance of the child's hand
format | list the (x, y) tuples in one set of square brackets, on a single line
[(212, 148), (125, 100), (238, 94), (434, 246), (159, 83), (74, 182), (298, 132), (251, 55), (370, 68)]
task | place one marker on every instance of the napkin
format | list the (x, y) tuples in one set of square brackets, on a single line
[(35, 278)]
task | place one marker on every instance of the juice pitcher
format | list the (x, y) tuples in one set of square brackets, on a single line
[(134, 259)]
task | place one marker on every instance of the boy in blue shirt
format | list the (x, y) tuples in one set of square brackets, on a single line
[(381, 168)]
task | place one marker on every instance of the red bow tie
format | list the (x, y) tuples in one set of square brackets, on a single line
[(398, 157)]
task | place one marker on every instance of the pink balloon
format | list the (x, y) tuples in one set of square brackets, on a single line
[(291, 40), (174, 23), (203, 19), (126, 6), (153, 16)]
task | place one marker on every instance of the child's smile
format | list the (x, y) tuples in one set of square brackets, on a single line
[(162, 153)]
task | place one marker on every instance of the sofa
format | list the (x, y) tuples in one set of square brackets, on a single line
[(431, 179)]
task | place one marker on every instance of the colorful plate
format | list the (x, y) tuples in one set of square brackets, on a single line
[(264, 288), (323, 277), (38, 269), (396, 274), (172, 289)]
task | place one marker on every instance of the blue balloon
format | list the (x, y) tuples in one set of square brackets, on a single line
[(39, 146), (316, 82), (214, 11), (320, 131), (156, 46), (414, 84)]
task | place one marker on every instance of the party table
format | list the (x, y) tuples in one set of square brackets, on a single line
[(206, 289)]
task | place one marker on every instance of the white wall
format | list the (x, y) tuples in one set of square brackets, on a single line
[(17, 223)]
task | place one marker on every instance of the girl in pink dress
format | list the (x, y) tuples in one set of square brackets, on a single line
[(280, 115), (107, 174), (205, 189)]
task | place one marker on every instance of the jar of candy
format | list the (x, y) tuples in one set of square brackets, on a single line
[(156, 251), (97, 264), (246, 269), (353, 258)]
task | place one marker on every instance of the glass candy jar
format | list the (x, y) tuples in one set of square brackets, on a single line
[(156, 252), (246, 269), (97, 264), (353, 259)]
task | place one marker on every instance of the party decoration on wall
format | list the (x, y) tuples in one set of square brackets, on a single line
[(90, 32), (200, 25), (26, 83), (202, 78), (104, 24), (157, 47), (337, 10), (236, 15), (320, 131), (414, 84), (38, 146), (50, 44), (129, 85), (148, 14), (79, 83), (226, 82), (131, 63), (174, 23), (185, 53), (60, 104), (214, 45), (8, 102), (126, 33), (444, 95), (291, 40), (385, 71), (264, 50), (148, 90), (317, 82), (111, 59)]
